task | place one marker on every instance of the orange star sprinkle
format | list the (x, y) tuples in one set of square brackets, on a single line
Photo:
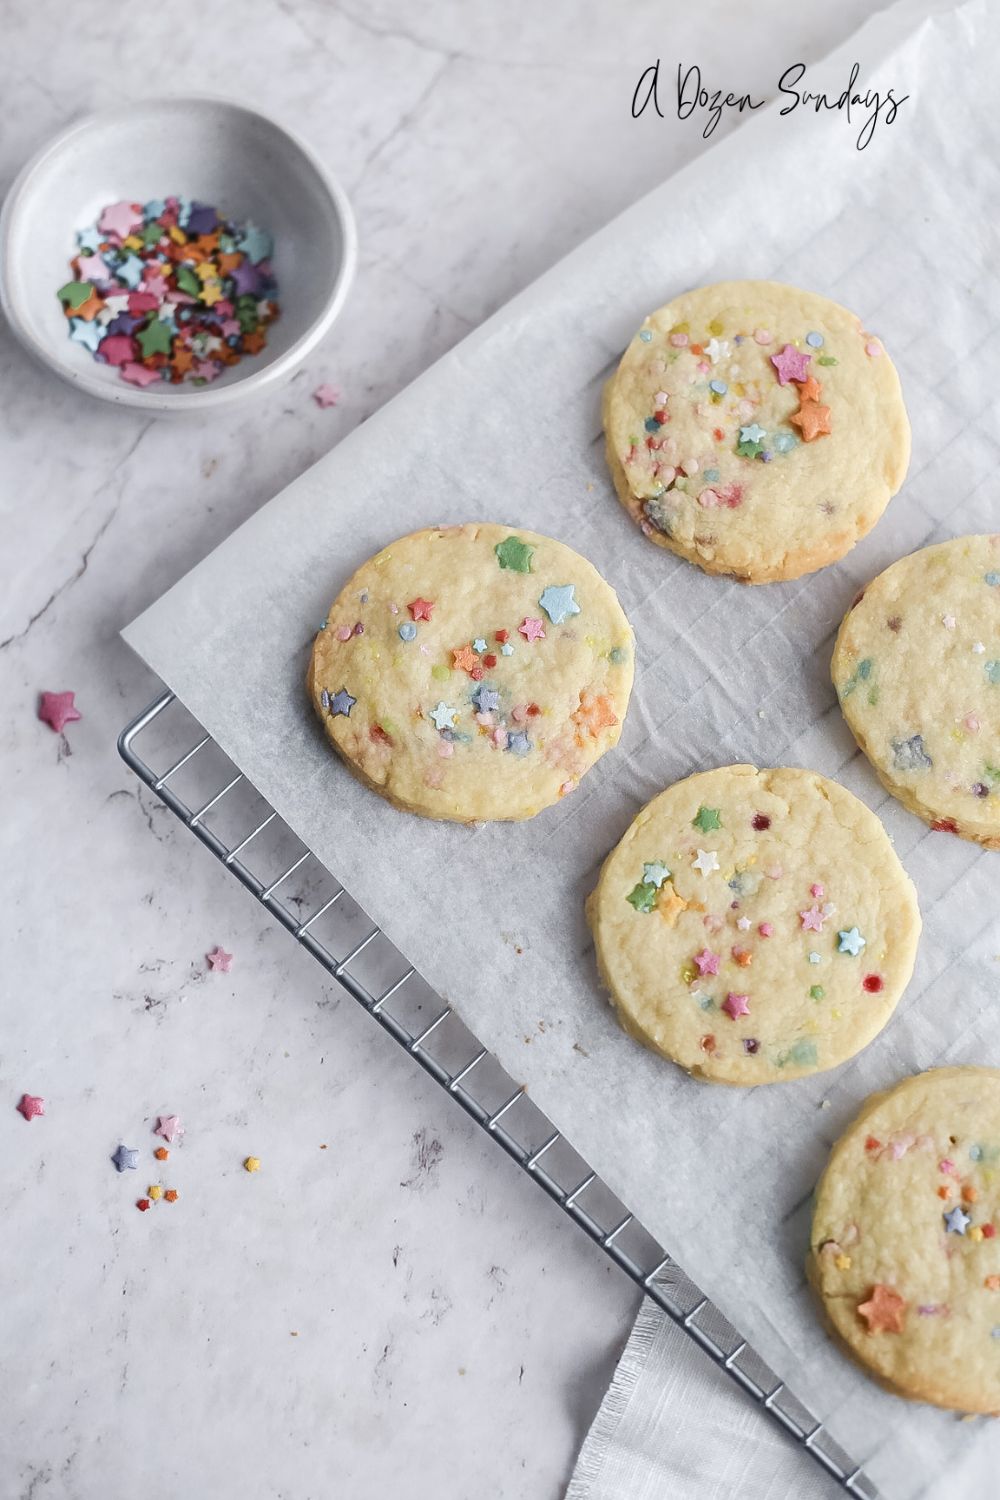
[(810, 389), (161, 1153), (594, 713), (171, 1195), (743, 957), (87, 310), (669, 904), (992, 1283), (254, 342), (464, 660), (812, 420), (969, 1193), (885, 1310)]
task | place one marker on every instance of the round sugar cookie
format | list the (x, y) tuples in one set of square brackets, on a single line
[(754, 926), (755, 429), (917, 670), (473, 672), (905, 1246)]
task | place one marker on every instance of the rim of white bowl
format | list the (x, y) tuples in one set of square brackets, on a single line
[(210, 398)]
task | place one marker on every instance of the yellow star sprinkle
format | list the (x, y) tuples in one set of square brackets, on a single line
[(211, 293), (842, 1262), (154, 1192), (252, 1164), (975, 1233)]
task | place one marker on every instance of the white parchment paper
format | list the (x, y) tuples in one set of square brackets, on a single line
[(900, 232)]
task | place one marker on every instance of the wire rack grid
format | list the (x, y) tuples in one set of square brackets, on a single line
[(212, 798)]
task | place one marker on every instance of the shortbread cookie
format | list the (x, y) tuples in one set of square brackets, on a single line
[(917, 668), (754, 926), (473, 672), (905, 1247), (755, 429)]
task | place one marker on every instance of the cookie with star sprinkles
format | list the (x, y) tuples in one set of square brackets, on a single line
[(754, 926), (917, 670), (473, 673), (755, 429), (905, 1246)]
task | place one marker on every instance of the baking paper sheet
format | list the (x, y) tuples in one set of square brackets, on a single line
[(506, 427)]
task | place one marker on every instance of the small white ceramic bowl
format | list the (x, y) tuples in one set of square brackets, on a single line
[(213, 150)]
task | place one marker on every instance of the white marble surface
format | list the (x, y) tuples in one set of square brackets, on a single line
[(401, 1312)]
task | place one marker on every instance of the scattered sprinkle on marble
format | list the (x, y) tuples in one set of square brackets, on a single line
[(169, 1126), (31, 1105), (219, 961), (251, 1164), (57, 710), (126, 1158), (326, 395)]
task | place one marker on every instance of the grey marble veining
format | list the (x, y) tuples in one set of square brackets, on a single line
[(400, 1312)]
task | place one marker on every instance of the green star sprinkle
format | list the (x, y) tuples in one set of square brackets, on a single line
[(643, 897), (187, 281), (707, 820), (156, 338), (817, 991), (514, 554), (747, 449), (75, 293), (655, 873)]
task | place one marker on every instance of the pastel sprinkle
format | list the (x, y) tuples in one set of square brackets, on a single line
[(850, 941), (407, 631), (31, 1105), (251, 1164), (558, 602), (219, 961), (126, 1158), (815, 340)]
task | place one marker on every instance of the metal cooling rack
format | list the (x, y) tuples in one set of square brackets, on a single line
[(213, 798)]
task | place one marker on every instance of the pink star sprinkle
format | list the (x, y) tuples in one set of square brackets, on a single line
[(137, 374), (31, 1105), (817, 891), (92, 268), (531, 629), (812, 920), (791, 364), (326, 395), (57, 710), (120, 219), (766, 929), (219, 961), (736, 1005), (707, 961), (169, 1126)]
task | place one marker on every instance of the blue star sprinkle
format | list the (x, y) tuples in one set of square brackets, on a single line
[(558, 602), (956, 1221), (126, 1157), (131, 271), (519, 743), (910, 755), (486, 698), (850, 941), (87, 334), (784, 442), (255, 243), (815, 958), (407, 632), (479, 645), (506, 649), (655, 873), (752, 434), (342, 703), (443, 716)]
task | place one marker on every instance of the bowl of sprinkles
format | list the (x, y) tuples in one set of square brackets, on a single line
[(179, 255)]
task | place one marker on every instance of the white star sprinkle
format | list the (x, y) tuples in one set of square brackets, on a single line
[(706, 862), (744, 924), (979, 648), (948, 621), (716, 349)]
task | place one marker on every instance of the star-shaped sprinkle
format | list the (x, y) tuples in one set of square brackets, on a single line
[(558, 602), (744, 924), (813, 919), (126, 1158), (506, 649), (57, 710), (594, 714), (736, 1005), (161, 1153), (812, 420), (791, 364), (707, 819), (753, 434), (464, 659), (815, 958), (87, 334), (884, 1311), (956, 1221), (850, 941), (130, 271), (420, 609), (342, 703), (707, 961), (142, 1204), (169, 1126), (669, 904), (519, 743), (642, 896), (219, 961), (514, 554), (707, 861), (255, 243), (171, 1195), (251, 1164), (31, 1105), (155, 1192), (479, 645), (140, 375), (486, 699), (120, 219), (155, 338), (443, 716), (978, 648), (717, 349), (655, 873), (948, 621), (810, 389), (532, 630), (327, 395)]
